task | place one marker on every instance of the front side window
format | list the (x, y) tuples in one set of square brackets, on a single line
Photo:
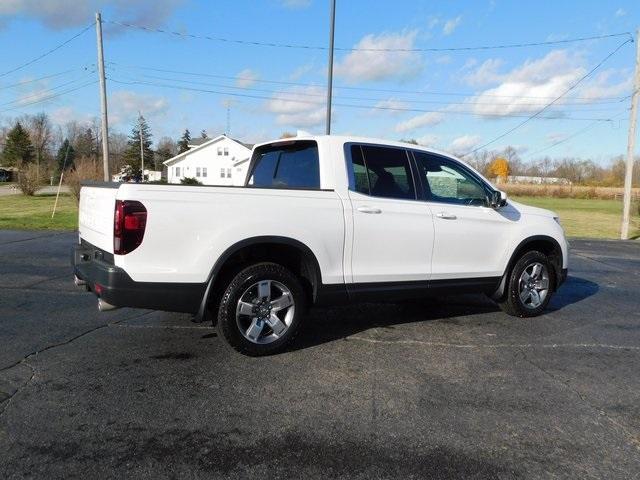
[(382, 172), (204, 171), (228, 173), (177, 171), (219, 150), (197, 171), (446, 181), (222, 173), (226, 151), (289, 165)]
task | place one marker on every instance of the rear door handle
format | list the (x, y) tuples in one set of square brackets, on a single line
[(366, 209), (446, 216)]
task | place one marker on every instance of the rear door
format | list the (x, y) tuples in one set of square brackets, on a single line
[(95, 219), (392, 231)]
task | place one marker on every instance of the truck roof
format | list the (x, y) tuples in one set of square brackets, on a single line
[(357, 139)]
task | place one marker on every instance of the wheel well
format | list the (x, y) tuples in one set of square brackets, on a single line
[(546, 245), (301, 263)]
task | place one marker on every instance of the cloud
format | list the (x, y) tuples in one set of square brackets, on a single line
[(365, 65), (299, 106), (451, 24), (433, 21), (621, 12), (428, 140), (554, 137), (60, 14), (547, 77), (425, 119), (301, 71), (246, 78), (486, 73), (391, 105), (465, 143), (124, 106), (295, 3)]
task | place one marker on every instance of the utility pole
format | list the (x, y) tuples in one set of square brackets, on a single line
[(332, 19), (628, 177), (103, 100), (141, 144)]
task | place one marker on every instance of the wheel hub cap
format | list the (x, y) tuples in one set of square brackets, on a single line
[(534, 285)]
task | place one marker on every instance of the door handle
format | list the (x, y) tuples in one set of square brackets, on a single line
[(366, 209), (446, 216)]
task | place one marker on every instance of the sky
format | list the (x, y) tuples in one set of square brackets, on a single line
[(393, 76)]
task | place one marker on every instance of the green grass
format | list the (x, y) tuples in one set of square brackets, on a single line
[(586, 218), (579, 217), (34, 213)]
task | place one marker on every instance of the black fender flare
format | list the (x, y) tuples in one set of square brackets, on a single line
[(236, 247), (517, 252)]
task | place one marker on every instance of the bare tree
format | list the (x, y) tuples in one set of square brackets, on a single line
[(41, 134)]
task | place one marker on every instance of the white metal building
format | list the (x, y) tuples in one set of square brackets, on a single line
[(217, 161)]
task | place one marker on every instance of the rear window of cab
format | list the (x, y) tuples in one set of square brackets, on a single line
[(292, 164)]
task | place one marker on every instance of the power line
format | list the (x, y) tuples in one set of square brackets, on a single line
[(375, 99), (527, 120), (46, 77), (46, 91), (344, 87), (48, 52), (346, 105), (51, 97), (353, 49), (573, 135)]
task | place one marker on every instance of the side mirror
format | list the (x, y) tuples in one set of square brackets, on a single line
[(497, 199)]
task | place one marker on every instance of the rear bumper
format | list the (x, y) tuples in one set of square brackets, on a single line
[(116, 287)]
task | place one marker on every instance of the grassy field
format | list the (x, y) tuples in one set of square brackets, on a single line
[(579, 217), (586, 218), (34, 213)]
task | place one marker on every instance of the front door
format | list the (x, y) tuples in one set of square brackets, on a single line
[(469, 235)]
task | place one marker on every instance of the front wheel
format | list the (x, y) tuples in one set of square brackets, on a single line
[(529, 286), (261, 309)]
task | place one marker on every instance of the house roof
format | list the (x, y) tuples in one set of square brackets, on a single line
[(194, 142), (206, 143)]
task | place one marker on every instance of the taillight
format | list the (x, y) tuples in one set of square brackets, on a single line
[(129, 223)]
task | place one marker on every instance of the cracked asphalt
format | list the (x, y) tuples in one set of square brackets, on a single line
[(451, 388)]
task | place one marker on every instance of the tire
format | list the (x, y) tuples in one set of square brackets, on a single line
[(529, 286), (261, 310)]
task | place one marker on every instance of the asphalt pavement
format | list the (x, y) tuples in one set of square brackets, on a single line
[(450, 388)]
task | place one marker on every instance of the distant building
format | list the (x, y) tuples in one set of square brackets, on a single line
[(149, 176), (537, 180), (216, 161)]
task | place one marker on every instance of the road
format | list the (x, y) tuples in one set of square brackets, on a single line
[(448, 389), (11, 189)]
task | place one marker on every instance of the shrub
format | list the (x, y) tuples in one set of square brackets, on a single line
[(190, 181), (85, 170), (29, 180)]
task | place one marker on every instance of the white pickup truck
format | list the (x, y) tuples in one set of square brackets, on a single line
[(321, 219)]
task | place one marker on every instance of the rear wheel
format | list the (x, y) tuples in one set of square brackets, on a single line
[(529, 286), (261, 309)]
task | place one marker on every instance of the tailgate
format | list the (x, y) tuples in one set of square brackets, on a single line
[(97, 205)]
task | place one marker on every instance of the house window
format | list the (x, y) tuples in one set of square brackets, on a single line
[(197, 171), (177, 171), (204, 171), (226, 151), (228, 173), (219, 150), (222, 173)]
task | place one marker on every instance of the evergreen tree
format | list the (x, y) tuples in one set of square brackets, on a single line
[(18, 150), (132, 154), (183, 143), (85, 144), (62, 154), (203, 134)]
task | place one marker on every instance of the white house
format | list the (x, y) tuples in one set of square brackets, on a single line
[(217, 161)]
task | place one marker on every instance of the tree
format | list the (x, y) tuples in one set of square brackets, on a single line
[(40, 133), (287, 135), (203, 134), (65, 161), (18, 150), (85, 144), (183, 143), (411, 141), (132, 154), (166, 149), (500, 168)]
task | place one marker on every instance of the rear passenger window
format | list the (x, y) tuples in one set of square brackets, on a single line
[(382, 172), (293, 165)]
